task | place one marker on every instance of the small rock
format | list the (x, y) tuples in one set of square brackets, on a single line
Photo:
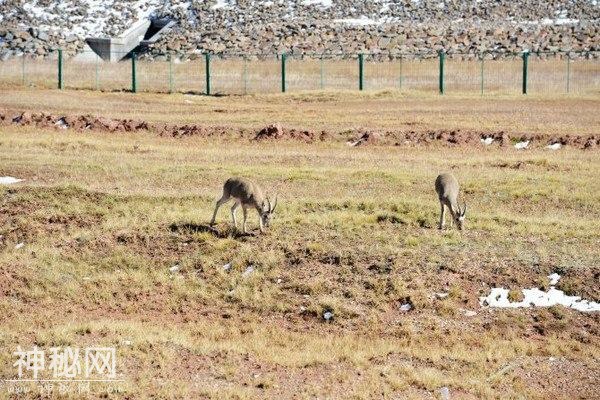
[(406, 307), (18, 246), (174, 268), (470, 313), (441, 295), (327, 315), (487, 140), (227, 267)]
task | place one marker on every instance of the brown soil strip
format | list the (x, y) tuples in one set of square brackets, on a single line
[(275, 132)]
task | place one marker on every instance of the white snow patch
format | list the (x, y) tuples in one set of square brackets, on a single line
[(554, 278), (9, 180), (321, 3), (221, 4), (498, 297), (362, 21), (522, 145), (554, 146)]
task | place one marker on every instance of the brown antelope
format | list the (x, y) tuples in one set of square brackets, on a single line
[(247, 194), (447, 190)]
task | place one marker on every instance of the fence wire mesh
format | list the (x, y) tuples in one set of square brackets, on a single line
[(557, 73)]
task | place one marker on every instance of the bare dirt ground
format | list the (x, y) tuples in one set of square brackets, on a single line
[(105, 213)]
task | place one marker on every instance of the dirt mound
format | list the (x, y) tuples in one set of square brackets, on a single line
[(365, 138), (358, 137), (277, 132)]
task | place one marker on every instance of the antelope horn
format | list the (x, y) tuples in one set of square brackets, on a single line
[(275, 205)]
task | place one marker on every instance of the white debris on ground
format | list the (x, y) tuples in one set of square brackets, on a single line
[(445, 393), (227, 267), (522, 145), (9, 180), (174, 268), (248, 271), (405, 307), (498, 297), (61, 124), (441, 295), (554, 146), (487, 141), (327, 315), (469, 313), (19, 245)]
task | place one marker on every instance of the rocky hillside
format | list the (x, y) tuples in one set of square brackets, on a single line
[(309, 26)]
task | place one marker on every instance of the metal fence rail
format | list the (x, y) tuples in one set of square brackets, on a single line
[(214, 74)]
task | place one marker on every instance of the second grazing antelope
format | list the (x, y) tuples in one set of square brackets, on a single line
[(447, 190), (249, 195)]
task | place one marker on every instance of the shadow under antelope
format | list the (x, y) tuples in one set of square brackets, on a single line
[(447, 189), (249, 195)]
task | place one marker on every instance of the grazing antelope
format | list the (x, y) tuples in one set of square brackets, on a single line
[(247, 194), (447, 189)]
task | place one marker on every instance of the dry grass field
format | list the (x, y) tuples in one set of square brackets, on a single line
[(104, 218)]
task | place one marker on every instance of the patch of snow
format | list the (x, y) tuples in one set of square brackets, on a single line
[(362, 21), (554, 146), (221, 4), (498, 297), (487, 140), (9, 180), (554, 278), (320, 3), (522, 145)]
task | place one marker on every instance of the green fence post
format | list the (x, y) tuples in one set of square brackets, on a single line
[(170, 73), (442, 56), (568, 72), (361, 71), (283, 73), (525, 57), (400, 79), (207, 66), (133, 76), (60, 69), (482, 57)]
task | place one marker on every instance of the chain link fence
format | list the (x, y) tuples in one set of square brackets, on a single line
[(238, 74)]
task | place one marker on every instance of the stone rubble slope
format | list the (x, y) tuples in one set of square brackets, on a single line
[(337, 27)]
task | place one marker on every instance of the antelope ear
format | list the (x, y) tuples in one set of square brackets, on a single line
[(275, 205), (464, 210)]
